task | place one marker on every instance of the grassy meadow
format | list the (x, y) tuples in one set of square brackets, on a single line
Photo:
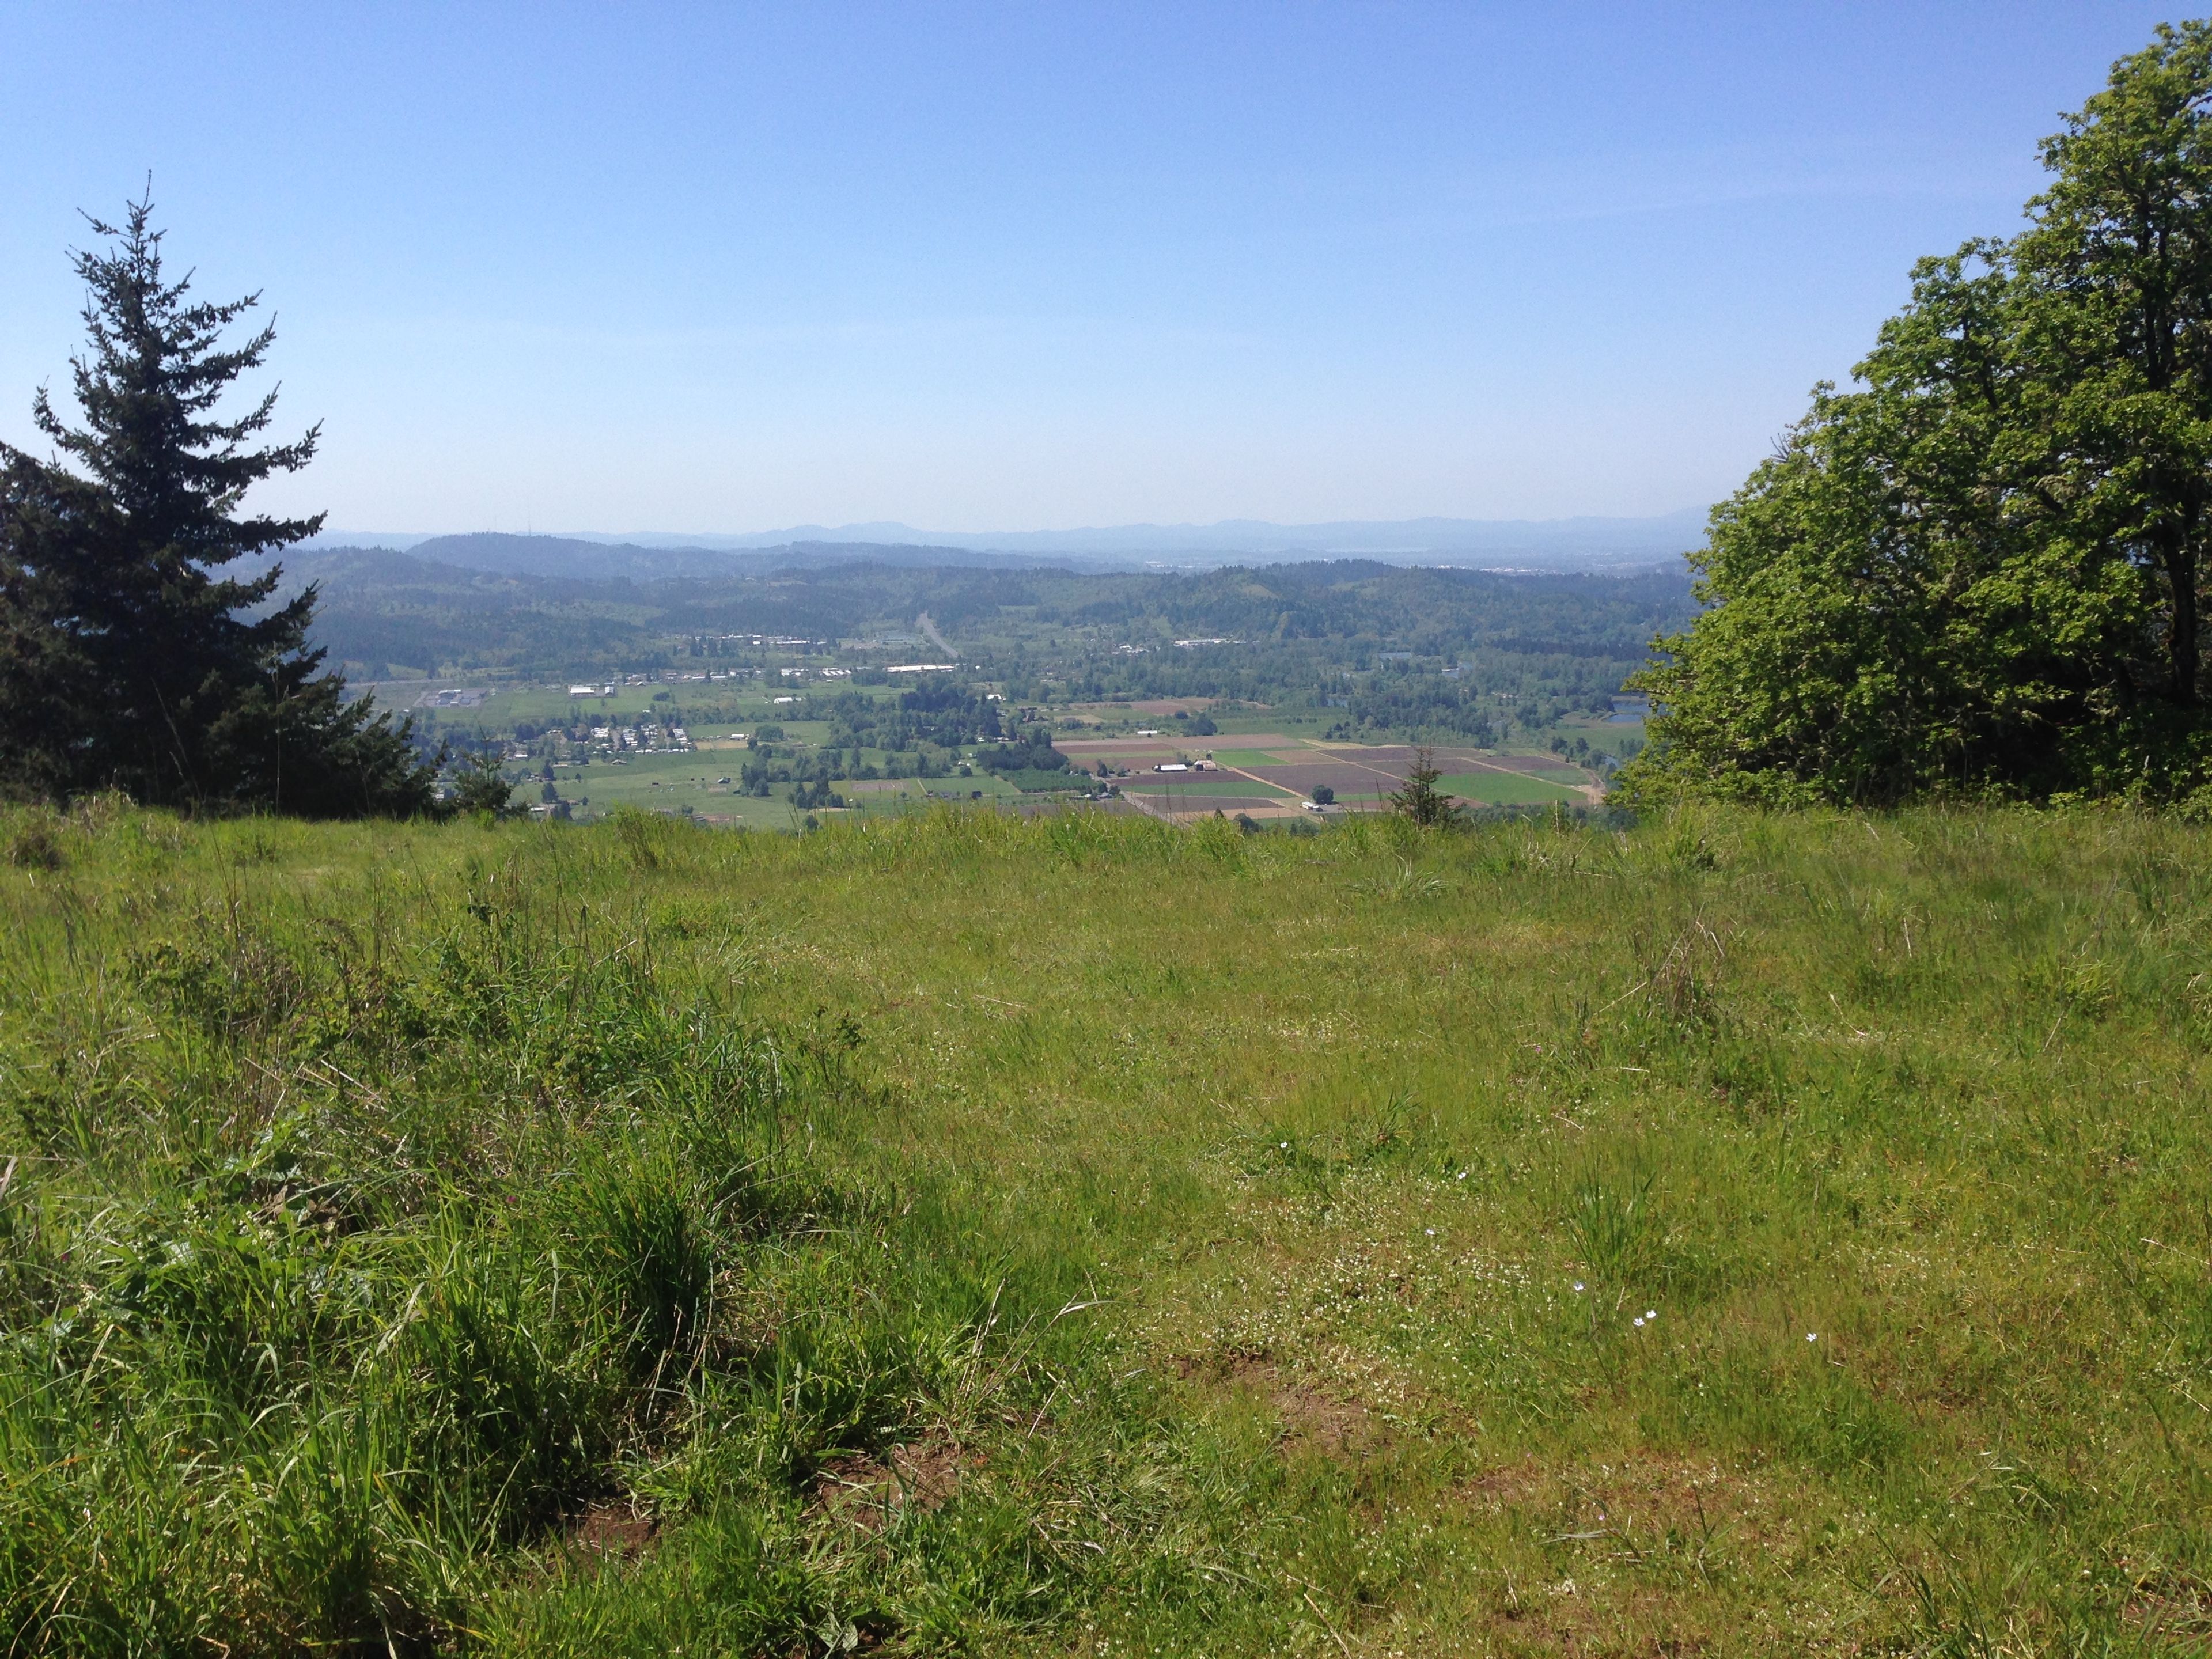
[(1078, 1235)]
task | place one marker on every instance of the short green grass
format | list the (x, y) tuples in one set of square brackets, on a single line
[(659, 782), (961, 1233), (914, 791)]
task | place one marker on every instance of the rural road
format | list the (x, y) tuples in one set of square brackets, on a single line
[(929, 632)]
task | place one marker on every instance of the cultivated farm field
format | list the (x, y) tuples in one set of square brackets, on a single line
[(1082, 1234), (1268, 773)]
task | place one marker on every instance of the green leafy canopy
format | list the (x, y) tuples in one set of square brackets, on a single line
[(1982, 570)]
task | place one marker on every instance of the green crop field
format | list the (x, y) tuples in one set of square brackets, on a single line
[(1234, 722), (663, 782), (954, 1232), (1506, 788)]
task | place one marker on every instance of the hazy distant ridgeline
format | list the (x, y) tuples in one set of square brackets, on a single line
[(1558, 544), (579, 560)]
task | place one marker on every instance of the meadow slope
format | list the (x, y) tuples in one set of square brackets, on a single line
[(1736, 1234)]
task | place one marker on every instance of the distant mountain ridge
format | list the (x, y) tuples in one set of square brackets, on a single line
[(1550, 544), (1673, 533), (382, 610), (578, 559)]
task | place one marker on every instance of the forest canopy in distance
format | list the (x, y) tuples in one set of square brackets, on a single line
[(1375, 639)]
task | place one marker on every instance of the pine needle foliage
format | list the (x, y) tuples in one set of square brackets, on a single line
[(130, 657), (1420, 801)]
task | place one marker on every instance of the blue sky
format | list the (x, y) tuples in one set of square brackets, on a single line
[(732, 267)]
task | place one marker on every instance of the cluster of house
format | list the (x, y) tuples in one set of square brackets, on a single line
[(710, 676), (766, 641), (640, 736)]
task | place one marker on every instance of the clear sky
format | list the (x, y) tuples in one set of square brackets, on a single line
[(1025, 266)]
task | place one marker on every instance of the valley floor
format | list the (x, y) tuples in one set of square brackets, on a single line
[(1736, 1234)]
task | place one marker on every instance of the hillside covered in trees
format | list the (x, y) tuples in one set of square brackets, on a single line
[(1284, 630)]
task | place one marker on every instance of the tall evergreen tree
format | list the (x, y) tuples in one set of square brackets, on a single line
[(1420, 800), (129, 659)]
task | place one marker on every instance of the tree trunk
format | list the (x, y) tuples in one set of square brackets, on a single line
[(2181, 586)]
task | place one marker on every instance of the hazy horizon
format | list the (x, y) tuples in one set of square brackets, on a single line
[(1558, 545), (869, 529)]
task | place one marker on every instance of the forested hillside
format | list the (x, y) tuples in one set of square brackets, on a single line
[(1284, 627)]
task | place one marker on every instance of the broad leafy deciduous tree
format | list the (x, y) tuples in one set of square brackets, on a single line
[(128, 659), (1983, 569)]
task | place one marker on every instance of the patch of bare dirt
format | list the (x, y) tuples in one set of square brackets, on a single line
[(1639, 1501), (2173, 1605), (866, 1492), (613, 1528), (1334, 1425)]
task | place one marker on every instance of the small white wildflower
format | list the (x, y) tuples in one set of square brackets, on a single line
[(1284, 1145), (1579, 1284), (1461, 1175), (1651, 1313), (1639, 1320), (1812, 1336), (1431, 1232)]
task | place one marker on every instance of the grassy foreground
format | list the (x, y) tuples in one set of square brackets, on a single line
[(1741, 1234)]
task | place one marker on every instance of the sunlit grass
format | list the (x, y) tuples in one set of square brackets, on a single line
[(1081, 1235)]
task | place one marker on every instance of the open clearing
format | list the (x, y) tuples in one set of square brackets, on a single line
[(1735, 1234)]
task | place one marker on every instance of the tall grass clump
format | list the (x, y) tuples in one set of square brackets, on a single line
[(353, 1246)]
